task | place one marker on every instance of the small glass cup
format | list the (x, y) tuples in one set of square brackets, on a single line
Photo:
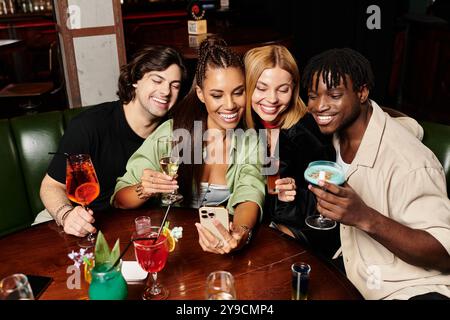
[(220, 286), (271, 171), (107, 285), (16, 287), (300, 280), (143, 224)]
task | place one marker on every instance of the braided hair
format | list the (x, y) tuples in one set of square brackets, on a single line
[(333, 65), (213, 53)]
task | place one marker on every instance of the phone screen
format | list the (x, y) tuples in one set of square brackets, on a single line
[(39, 284)]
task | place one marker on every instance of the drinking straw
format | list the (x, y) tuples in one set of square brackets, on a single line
[(137, 239), (124, 251), (162, 223)]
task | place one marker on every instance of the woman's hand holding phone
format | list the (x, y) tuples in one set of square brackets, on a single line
[(216, 235)]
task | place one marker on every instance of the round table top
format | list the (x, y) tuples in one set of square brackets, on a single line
[(261, 270)]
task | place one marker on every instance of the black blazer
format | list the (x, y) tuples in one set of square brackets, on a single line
[(298, 146)]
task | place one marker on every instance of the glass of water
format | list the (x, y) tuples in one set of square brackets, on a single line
[(220, 286), (16, 287), (143, 224)]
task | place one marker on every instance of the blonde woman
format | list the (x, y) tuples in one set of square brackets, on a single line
[(274, 104)]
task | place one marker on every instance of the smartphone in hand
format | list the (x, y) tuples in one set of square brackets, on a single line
[(207, 214)]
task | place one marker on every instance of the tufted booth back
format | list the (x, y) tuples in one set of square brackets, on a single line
[(25, 142)]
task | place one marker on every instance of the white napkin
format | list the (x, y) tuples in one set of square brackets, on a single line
[(131, 271)]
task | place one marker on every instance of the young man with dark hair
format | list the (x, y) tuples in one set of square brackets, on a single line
[(393, 209), (111, 132)]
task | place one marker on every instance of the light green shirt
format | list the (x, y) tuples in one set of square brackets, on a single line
[(244, 178)]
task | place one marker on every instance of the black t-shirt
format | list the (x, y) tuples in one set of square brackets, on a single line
[(103, 132)]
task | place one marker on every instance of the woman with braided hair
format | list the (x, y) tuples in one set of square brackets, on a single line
[(224, 174)]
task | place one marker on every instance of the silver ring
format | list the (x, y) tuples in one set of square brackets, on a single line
[(219, 245)]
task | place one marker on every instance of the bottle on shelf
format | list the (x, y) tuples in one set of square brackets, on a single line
[(30, 6), (224, 4), (12, 6), (3, 7)]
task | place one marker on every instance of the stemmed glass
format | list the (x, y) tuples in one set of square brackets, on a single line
[(327, 171), (82, 186), (169, 161), (152, 255)]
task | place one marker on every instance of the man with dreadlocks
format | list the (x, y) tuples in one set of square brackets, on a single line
[(393, 208)]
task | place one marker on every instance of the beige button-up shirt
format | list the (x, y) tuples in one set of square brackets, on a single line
[(395, 174)]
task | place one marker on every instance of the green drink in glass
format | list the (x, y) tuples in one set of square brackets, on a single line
[(109, 285)]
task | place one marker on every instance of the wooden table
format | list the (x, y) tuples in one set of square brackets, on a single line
[(261, 270), (12, 59), (9, 45)]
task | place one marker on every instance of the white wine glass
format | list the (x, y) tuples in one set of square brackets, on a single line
[(169, 161)]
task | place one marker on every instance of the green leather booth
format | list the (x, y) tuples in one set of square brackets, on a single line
[(25, 142), (437, 138)]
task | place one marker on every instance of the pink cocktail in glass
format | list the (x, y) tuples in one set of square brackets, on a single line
[(151, 254)]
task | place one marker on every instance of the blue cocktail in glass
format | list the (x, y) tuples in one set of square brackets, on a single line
[(327, 171)]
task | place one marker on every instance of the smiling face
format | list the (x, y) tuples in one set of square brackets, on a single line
[(157, 91), (272, 94), (337, 108), (223, 94)]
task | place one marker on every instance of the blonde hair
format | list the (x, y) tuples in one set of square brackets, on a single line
[(256, 60)]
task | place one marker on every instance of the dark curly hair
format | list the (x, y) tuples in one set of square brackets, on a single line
[(334, 64), (152, 58)]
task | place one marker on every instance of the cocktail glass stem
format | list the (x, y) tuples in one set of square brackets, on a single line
[(91, 237), (89, 240), (321, 217), (155, 290), (319, 222)]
